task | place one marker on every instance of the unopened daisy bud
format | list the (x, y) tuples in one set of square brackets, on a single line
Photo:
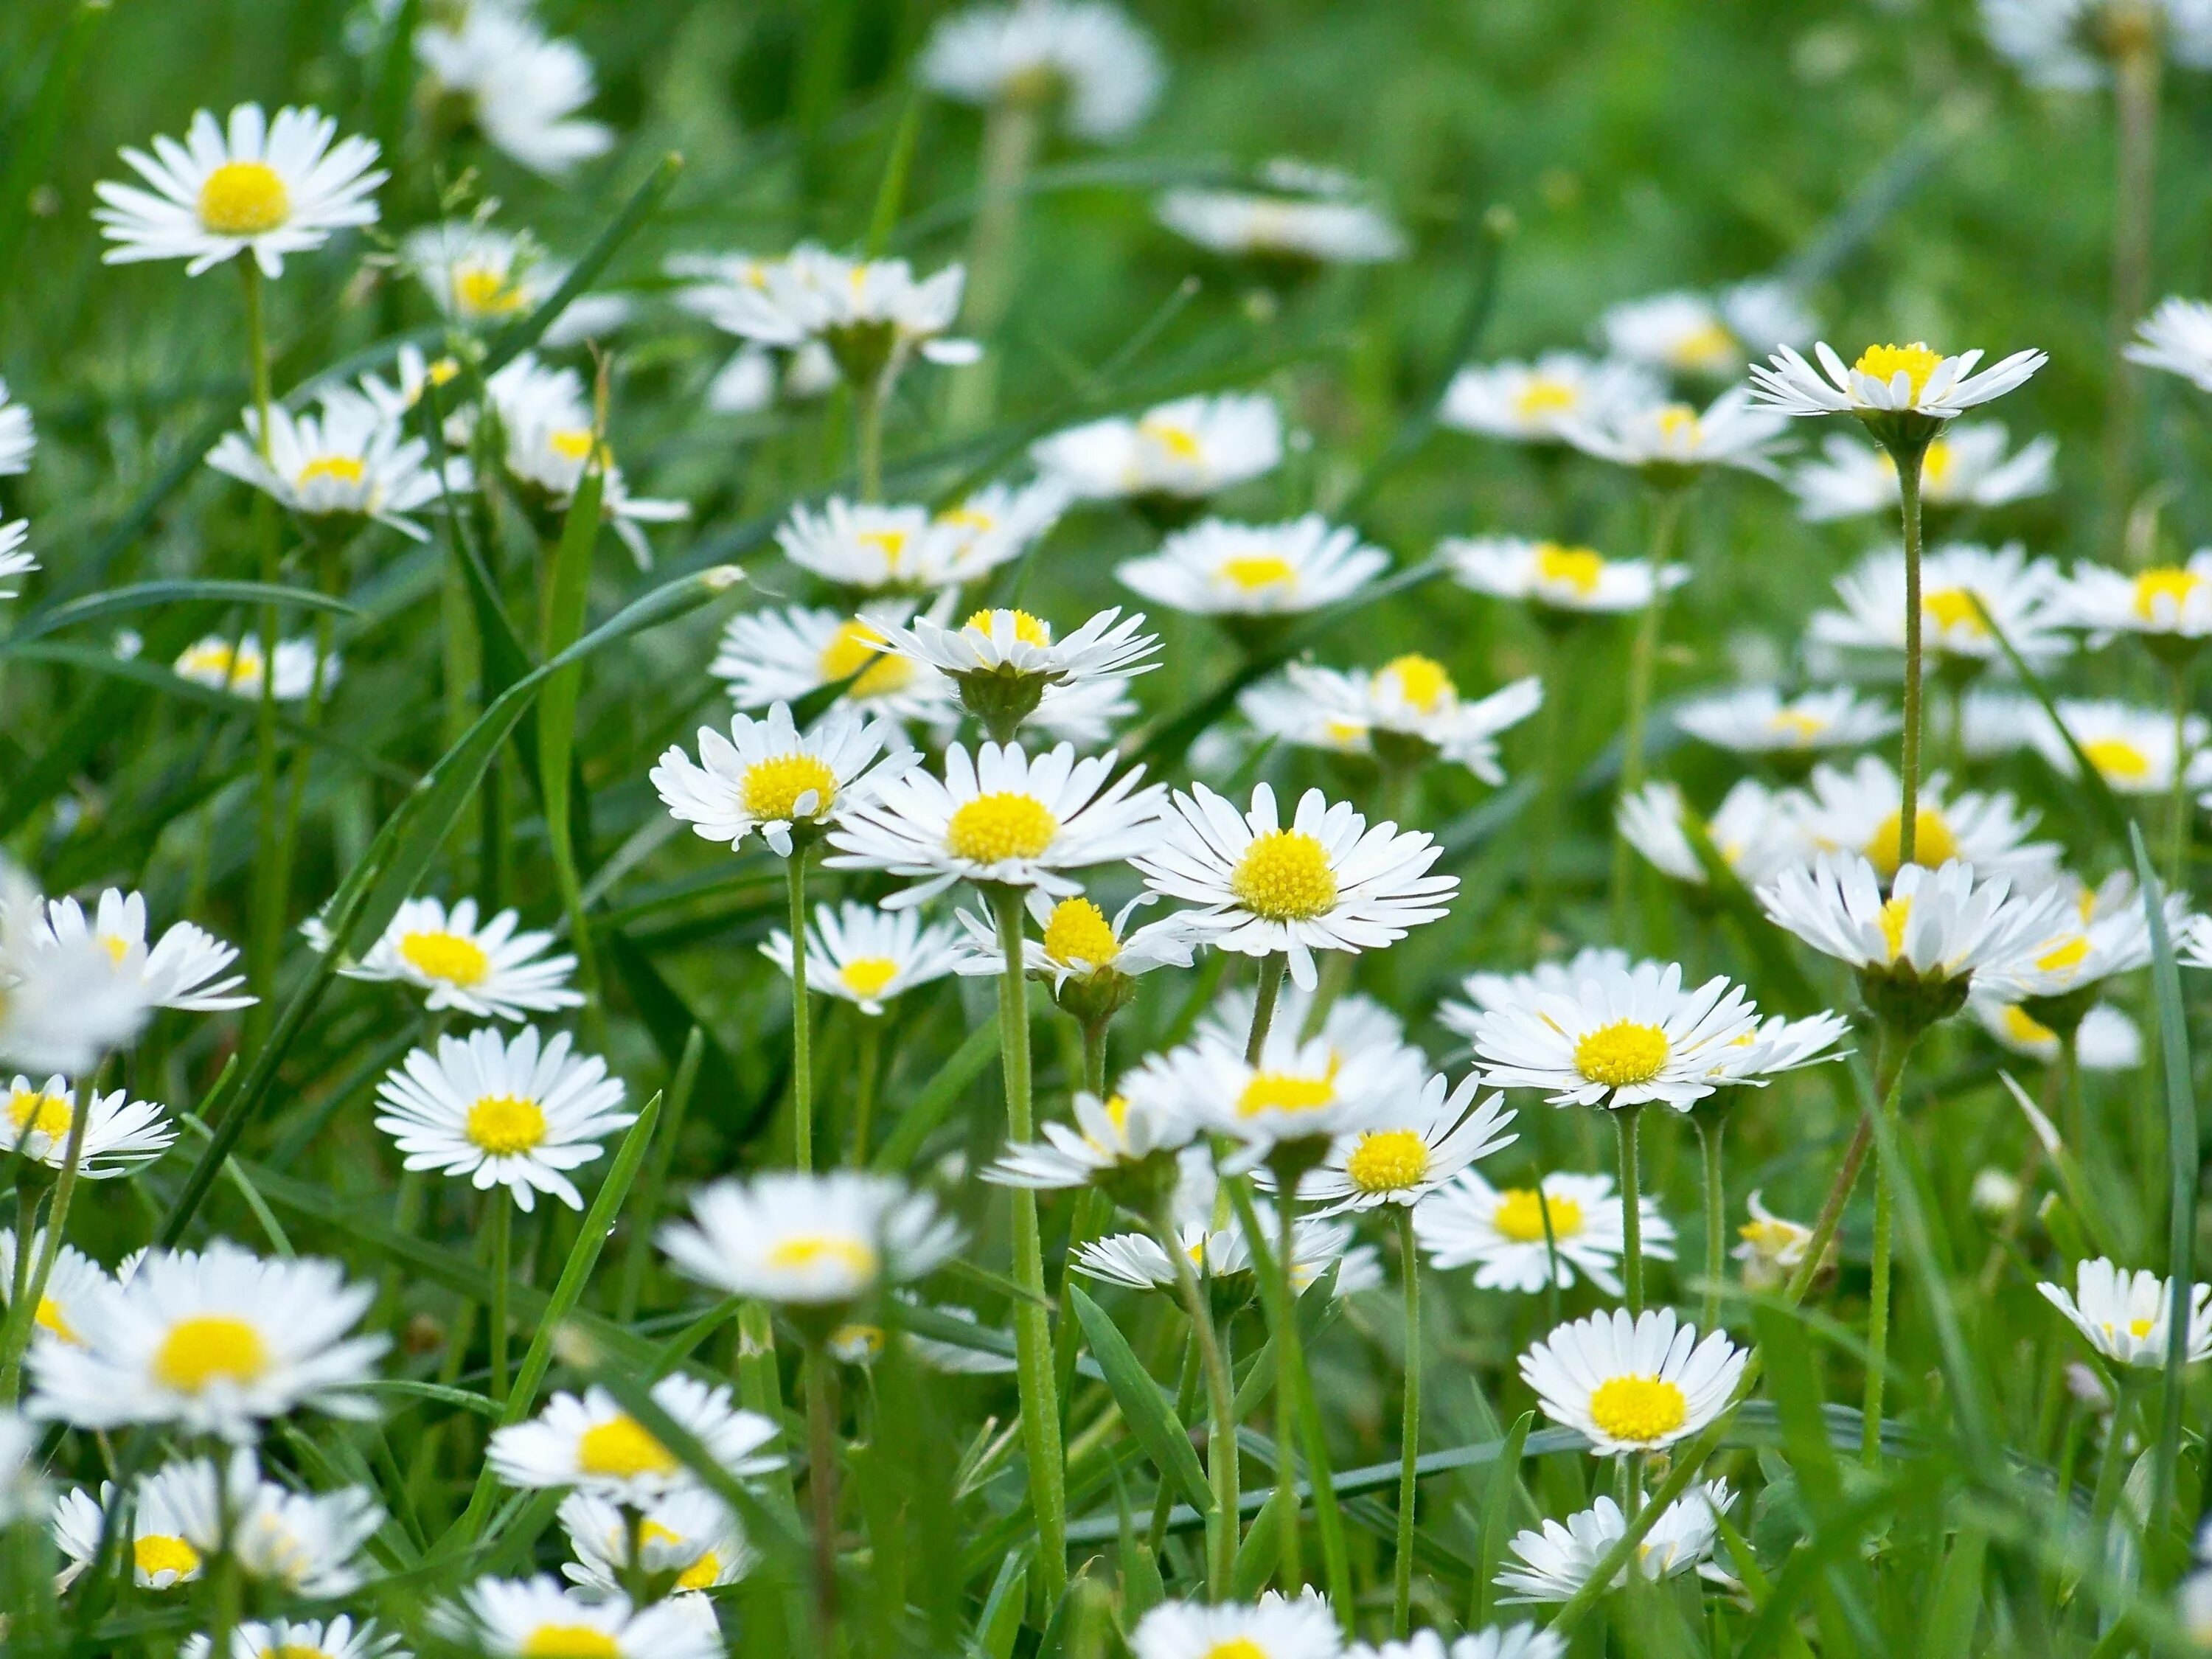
[(1995, 1193)]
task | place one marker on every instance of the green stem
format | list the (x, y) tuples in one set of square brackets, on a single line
[(1552, 785), (2177, 825), (1220, 1413), (1033, 1350), (821, 1495), (864, 1086), (22, 1314), (802, 1038), (1289, 1369), (1642, 670), (1263, 1007), (1409, 1427), (503, 1253), (256, 354), (1632, 1207), (2135, 75), (1908, 458), (1710, 1133), (1010, 137), (1878, 1304), (868, 418), (49, 1247)]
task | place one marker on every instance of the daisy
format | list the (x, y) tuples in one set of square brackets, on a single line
[(2133, 749), (14, 560), (1487, 992), (119, 1138), (1713, 336), (1552, 1565), (301, 1639), (1089, 57), (1758, 719), (1190, 448), (591, 1444), (1621, 1038), (688, 1532), (1531, 403), (2124, 1314), (521, 89), (62, 1004), (1756, 832), (179, 970), (1889, 385), (1501, 1231), (805, 1241), (2177, 338), (1003, 661), (1673, 443), (1632, 1384), (349, 465), (1319, 710), (1965, 467), (18, 439), (765, 776), (490, 972), (265, 187), (865, 956), (1353, 1023), (75, 1281), (1000, 818), (1772, 1247), (863, 1344), (1566, 579), (235, 666), (2167, 605), (162, 1557), (504, 1114), (1782, 1044), (551, 434), (478, 275), (1215, 568), (1135, 1261), (1304, 216), (873, 547), (872, 315), (2022, 599), (1302, 1093), (2106, 1040), (1409, 1150), (215, 1342), (522, 1618), (303, 1544), (1412, 698), (1125, 1133), (1329, 881), (1079, 944), (2195, 942), (2063, 44), (1861, 811), (1000, 523), (1279, 1628), (1522, 1641), (780, 656)]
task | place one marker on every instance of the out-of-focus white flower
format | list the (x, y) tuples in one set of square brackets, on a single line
[(1673, 442), (1756, 832), (62, 1005), (2124, 1314), (235, 666), (520, 88), (2168, 605), (1570, 578), (590, 1444), (1502, 1231), (1531, 403), (1107, 1137), (2022, 599), (523, 1618), (478, 275), (809, 1241), (1965, 467), (22, 1489), (1410, 698), (1189, 449), (489, 971), (1712, 335), (1299, 1089), (300, 1543), (1993, 723), (2177, 337), (2066, 43), (1522, 1641), (15, 559), (1305, 214), (1276, 1628), (179, 971), (19, 440), (866, 955), (1552, 1564), (552, 438), (1136, 1261), (1758, 719), (2107, 1039), (871, 314), (2135, 750), (780, 656), (349, 463), (689, 1532), (1861, 811), (1214, 568), (1103, 69), (1771, 1247), (288, 1638)]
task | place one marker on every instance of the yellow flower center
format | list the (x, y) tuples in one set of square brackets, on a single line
[(481, 291), (892, 544), (216, 660), (1347, 732), (569, 1642), (2165, 586), (1933, 843), (1895, 914), (1078, 932), (1422, 680), (1285, 1091), (445, 956), (1387, 1161), (1285, 876), (2021, 1029), (503, 1125), (1801, 727), (444, 372), (1638, 1408), (864, 1341), (1767, 1238), (1520, 1215), (297, 1651), (1004, 824), (774, 787), (1578, 568), (968, 518), (621, 1448), (574, 443), (2118, 759), (1934, 465), (1236, 1647), (117, 947), (209, 1348), (2070, 954), (1540, 397), (1622, 1054), (1882, 362), (701, 1573), (1954, 611), (346, 469), (850, 652), (1027, 628), (2140, 1328), (36, 1113), (865, 976), (157, 1553), (1179, 441), (244, 198), (802, 1251), (51, 1317), (1679, 422), (1707, 350), (1253, 571)]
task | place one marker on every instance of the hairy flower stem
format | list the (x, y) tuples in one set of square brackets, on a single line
[(1908, 458), (1878, 1302), (22, 1311), (1220, 1411), (1033, 1350), (822, 1494), (868, 434), (1625, 1122), (1409, 1427), (1290, 1373), (802, 1034), (1711, 1131), (1263, 1010), (1643, 670)]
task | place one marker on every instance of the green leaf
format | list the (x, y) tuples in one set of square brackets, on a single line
[(568, 586), (524, 332), (1954, 1609), (145, 596), (1498, 1516), (937, 1097), (1145, 1408)]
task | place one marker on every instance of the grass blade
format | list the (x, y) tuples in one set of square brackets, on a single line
[(1165, 1440)]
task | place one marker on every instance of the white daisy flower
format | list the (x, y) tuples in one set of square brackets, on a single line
[(1965, 467), (505, 1114), (1000, 523), (780, 656), (265, 187), (1410, 697), (861, 1344), (1772, 1247), (301, 1639), (871, 314), (1107, 1136), (1135, 1261), (1758, 719), (1078, 942), (62, 1003), (1862, 811), (235, 666), (350, 463), (2124, 1314), (2107, 1039), (1279, 1628), (766, 776), (1552, 1564), (2169, 604), (999, 818), (521, 89), (19, 439), (1487, 992), (1712, 335), (492, 972), (1189, 448), (551, 435), (524, 1618), (1994, 723), (1329, 881), (2133, 749), (1782, 1044), (1632, 1384), (2177, 338), (2194, 941), (1756, 832), (1101, 68), (1303, 712), (478, 275), (2065, 43), (215, 1342), (1330, 228), (1004, 661), (179, 971), (1214, 568), (162, 1557), (1573, 578), (590, 1443), (1408, 1149), (118, 1137), (1354, 1024), (1301, 1090), (688, 1532), (2023, 599), (1501, 1231), (1673, 442), (1888, 380), (1621, 1038), (875, 548), (1531, 403), (866, 955), (15, 559), (303, 1544), (1522, 1641), (809, 1241), (75, 1281)]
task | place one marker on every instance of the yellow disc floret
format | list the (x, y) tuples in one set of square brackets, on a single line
[(1028, 630), (1577, 568), (1285, 1091), (1387, 1161), (49, 1317), (802, 1252), (2118, 760), (621, 1448), (1882, 363), (1080, 932), (1933, 844), (1709, 348), (2025, 1029), (1540, 397), (244, 198), (865, 976), (1638, 1408), (1896, 914), (1621, 1054), (1179, 441), (1236, 1647), (1422, 680), (209, 1348), (1004, 825), (1253, 571), (1953, 610), (33, 1113), (1285, 876), (786, 786), (851, 652), (1520, 1215), (155, 1553), (2163, 592), (568, 1642), (481, 291), (448, 956), (341, 468), (504, 1125)]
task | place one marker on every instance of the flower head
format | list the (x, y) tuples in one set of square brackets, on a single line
[(19, 439), (1757, 832), (120, 1134), (874, 548), (809, 1241), (1090, 58), (481, 276), (1889, 382), (1108, 1136), (1758, 719), (1279, 1628), (1522, 1641), (2125, 1315), (1556, 578), (687, 1532), (2135, 750), (1409, 1147), (766, 776), (2022, 599), (1522, 1238), (1187, 449), (780, 656), (2106, 1040), (1410, 700), (1632, 1384), (301, 1543), (1304, 216), (1708, 336), (1967, 466), (2166, 605), (537, 1618), (349, 465), (1862, 811), (2177, 338), (1552, 1564), (236, 665), (866, 955), (1300, 1090), (341, 1637), (1673, 443), (75, 1281), (1532, 403), (63, 1003), (552, 436), (871, 315), (14, 560), (1135, 1261), (591, 1444), (1218, 568), (1771, 1247), (489, 971), (521, 89), (178, 971)]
